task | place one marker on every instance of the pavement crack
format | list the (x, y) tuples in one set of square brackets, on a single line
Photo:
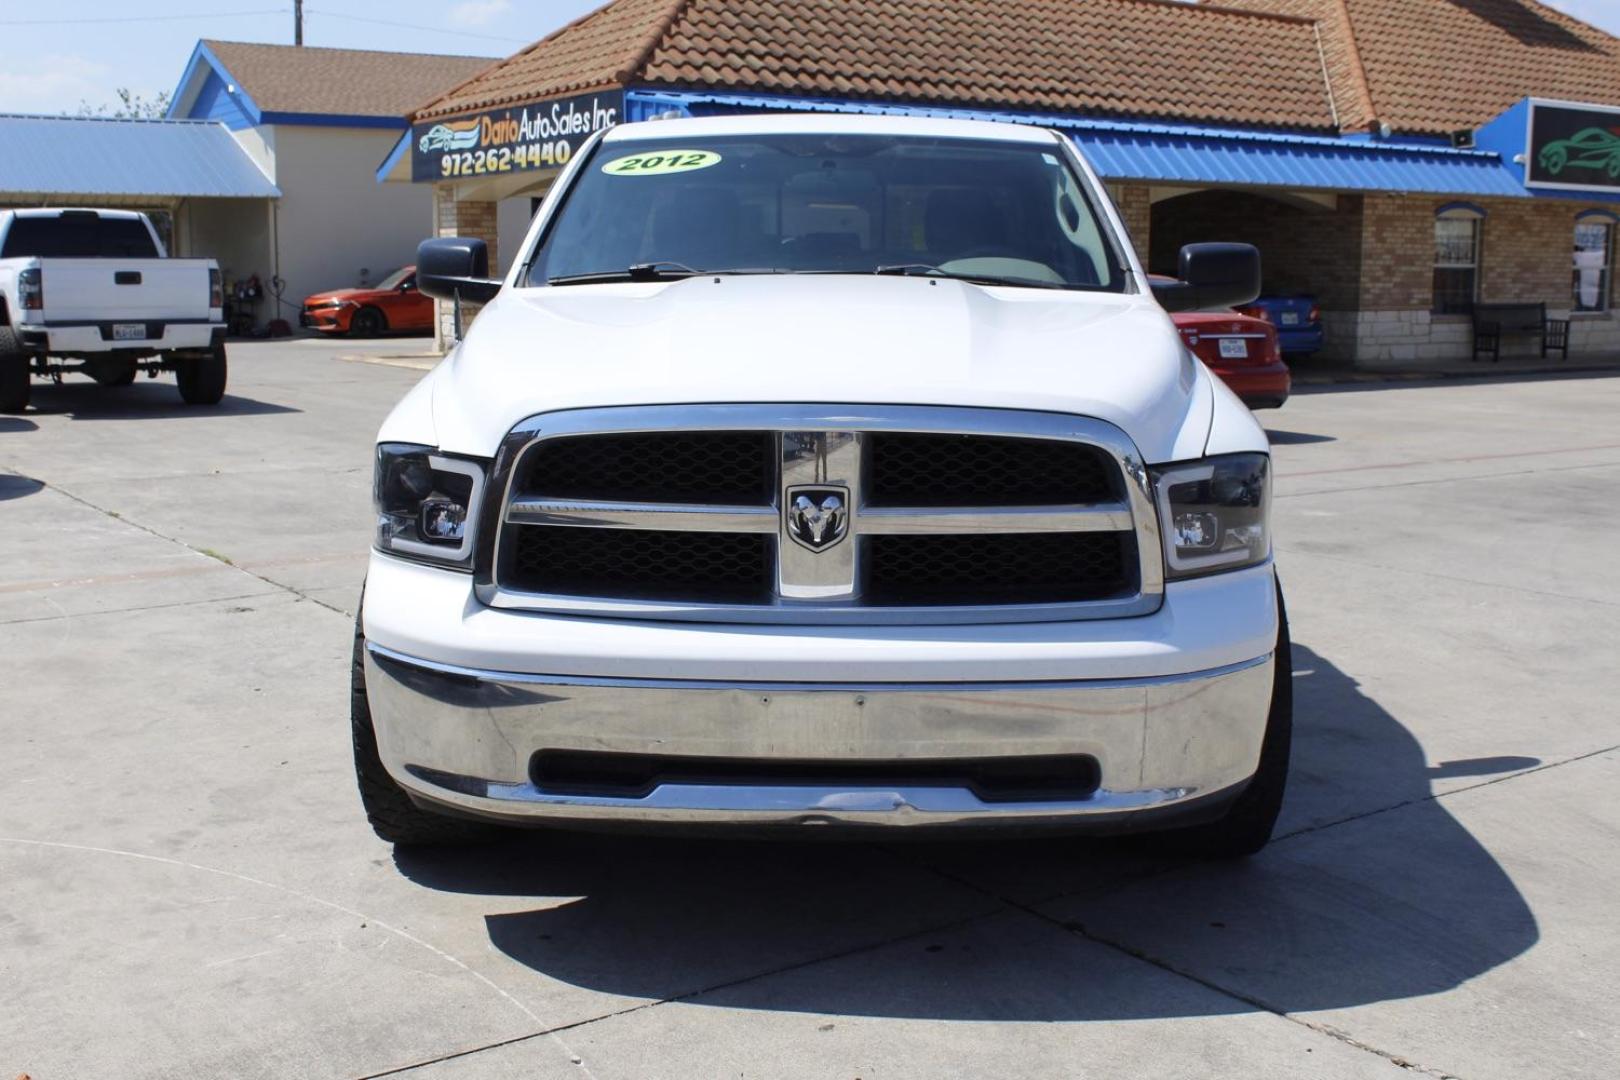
[(137, 608), (1293, 552), (1435, 796), (689, 995), (1079, 930), (203, 552), (1444, 480)]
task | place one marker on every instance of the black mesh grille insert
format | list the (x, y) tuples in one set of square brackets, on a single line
[(1029, 568), (637, 564), (721, 467), (905, 469)]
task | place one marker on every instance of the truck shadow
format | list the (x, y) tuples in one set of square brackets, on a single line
[(1371, 892), (147, 399), (15, 486)]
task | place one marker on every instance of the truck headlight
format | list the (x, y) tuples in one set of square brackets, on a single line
[(427, 504), (1214, 514)]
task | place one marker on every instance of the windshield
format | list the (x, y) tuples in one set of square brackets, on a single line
[(997, 212), (78, 236), (394, 280)]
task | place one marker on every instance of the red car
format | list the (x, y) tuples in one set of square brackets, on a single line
[(1242, 350), (393, 305)]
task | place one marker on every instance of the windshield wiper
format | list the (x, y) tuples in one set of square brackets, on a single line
[(650, 271), (929, 270)]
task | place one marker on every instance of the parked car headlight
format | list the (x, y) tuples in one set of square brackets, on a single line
[(427, 504), (1214, 514)]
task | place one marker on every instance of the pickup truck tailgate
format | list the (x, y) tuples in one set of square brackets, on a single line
[(145, 290)]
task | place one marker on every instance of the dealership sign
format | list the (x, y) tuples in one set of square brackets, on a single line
[(1573, 147), (527, 138)]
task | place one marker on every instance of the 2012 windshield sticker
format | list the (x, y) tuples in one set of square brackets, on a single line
[(662, 163)]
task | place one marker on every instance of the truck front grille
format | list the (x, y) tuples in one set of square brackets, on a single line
[(904, 514), (694, 567), (918, 469), (1028, 568), (718, 467)]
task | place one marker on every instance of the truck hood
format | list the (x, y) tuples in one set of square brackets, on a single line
[(835, 339)]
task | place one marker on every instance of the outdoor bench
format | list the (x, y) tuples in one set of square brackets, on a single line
[(1492, 322)]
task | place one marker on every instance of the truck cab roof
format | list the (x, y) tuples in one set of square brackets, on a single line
[(830, 124)]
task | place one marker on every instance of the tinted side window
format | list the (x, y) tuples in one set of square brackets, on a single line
[(78, 237)]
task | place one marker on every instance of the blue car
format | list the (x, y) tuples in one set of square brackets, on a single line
[(1298, 320)]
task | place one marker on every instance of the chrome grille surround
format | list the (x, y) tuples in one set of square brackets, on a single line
[(820, 446)]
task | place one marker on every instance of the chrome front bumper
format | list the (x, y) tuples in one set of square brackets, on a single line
[(1167, 748)]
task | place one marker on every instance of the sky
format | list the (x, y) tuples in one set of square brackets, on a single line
[(55, 56), (59, 56)]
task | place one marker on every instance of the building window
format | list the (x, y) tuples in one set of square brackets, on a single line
[(1594, 243), (1456, 261)]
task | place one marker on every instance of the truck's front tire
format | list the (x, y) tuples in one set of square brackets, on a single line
[(202, 379), (15, 384), (393, 816), (1246, 827)]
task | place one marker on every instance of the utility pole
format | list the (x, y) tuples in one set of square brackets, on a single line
[(298, 22)]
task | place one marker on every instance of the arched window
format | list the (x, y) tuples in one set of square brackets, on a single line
[(1457, 230), (1594, 252)]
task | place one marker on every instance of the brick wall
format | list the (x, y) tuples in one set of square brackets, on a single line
[(1397, 253), (1370, 262), (462, 217), (1525, 247), (1135, 205), (1313, 250)]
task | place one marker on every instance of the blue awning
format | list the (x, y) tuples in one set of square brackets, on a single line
[(1176, 153), (91, 157), (1172, 154)]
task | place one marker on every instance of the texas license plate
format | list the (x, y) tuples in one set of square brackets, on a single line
[(1290, 318), (1234, 349), (129, 331)]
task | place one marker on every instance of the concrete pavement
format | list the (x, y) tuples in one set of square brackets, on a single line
[(188, 887)]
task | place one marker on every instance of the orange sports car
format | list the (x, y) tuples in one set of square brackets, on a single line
[(393, 304)]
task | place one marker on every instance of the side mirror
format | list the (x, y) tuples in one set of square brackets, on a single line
[(456, 268), (1212, 276)]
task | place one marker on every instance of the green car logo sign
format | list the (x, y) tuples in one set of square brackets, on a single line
[(1594, 148), (662, 163), (1572, 147)]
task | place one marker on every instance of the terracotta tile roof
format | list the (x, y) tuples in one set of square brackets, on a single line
[(342, 82), (1442, 65), (1148, 58), (1434, 66), (602, 48)]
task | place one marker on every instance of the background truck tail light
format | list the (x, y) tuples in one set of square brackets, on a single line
[(31, 290), (216, 290)]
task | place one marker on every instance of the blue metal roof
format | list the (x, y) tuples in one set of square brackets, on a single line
[(1177, 153), (91, 156)]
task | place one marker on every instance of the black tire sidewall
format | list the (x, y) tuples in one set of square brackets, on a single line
[(367, 322), (15, 381), (202, 380)]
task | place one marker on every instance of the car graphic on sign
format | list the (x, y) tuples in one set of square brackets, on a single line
[(1594, 148), (445, 137)]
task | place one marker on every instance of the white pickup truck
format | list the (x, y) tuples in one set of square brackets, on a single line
[(93, 291), (825, 471)]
